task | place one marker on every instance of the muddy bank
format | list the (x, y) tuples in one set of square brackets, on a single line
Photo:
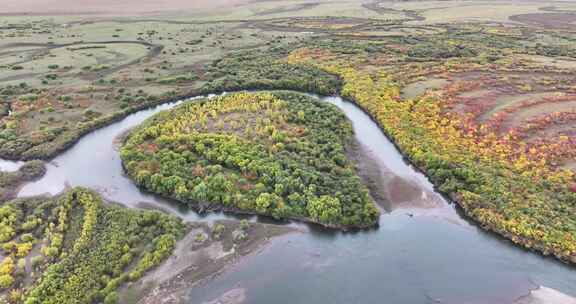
[(367, 168), (545, 295), (529, 245), (389, 190), (204, 253)]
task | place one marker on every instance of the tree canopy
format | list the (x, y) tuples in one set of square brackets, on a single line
[(280, 154)]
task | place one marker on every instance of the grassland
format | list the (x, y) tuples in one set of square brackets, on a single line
[(65, 75), (97, 72)]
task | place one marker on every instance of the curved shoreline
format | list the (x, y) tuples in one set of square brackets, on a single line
[(447, 196), (193, 264), (536, 248), (202, 207), (97, 124), (118, 116)]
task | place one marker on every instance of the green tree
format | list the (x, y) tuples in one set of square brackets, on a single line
[(263, 202), (200, 192), (6, 281), (325, 209), (111, 298)]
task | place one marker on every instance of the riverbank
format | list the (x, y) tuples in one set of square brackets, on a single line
[(12, 182), (456, 200), (65, 143), (62, 144), (391, 191), (367, 168), (475, 186), (199, 257)]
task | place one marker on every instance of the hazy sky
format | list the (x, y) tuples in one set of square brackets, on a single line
[(109, 6)]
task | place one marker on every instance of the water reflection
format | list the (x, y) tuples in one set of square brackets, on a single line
[(422, 252)]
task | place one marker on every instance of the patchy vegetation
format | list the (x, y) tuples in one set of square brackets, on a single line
[(488, 108), (509, 186), (279, 154), (46, 121), (76, 249)]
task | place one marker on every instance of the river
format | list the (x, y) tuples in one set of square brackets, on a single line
[(422, 252)]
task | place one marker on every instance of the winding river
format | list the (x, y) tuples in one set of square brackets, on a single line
[(423, 251)]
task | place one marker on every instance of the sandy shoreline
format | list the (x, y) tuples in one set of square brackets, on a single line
[(545, 295), (196, 261), (389, 191)]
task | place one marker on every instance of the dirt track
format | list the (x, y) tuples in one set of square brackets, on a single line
[(153, 51)]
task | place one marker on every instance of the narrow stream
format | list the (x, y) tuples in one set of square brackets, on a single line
[(423, 251), (94, 162), (10, 166)]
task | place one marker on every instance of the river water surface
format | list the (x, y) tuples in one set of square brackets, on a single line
[(423, 251)]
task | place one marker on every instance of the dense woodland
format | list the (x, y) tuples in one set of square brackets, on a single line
[(76, 249), (262, 70), (279, 154)]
